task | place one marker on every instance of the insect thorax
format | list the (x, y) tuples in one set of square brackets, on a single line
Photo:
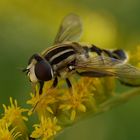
[(62, 56)]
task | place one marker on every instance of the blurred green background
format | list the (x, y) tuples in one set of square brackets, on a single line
[(28, 26)]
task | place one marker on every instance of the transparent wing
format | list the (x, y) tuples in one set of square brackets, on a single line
[(70, 29), (107, 66)]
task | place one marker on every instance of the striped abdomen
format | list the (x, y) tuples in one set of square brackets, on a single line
[(117, 54)]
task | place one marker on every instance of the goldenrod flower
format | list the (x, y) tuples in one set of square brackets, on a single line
[(13, 112), (13, 116), (76, 100), (8, 134), (46, 129), (42, 103)]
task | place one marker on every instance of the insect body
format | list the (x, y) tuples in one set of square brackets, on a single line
[(66, 57)]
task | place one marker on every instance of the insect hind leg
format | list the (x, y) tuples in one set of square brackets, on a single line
[(68, 83), (55, 83)]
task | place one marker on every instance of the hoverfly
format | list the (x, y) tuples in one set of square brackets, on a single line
[(67, 56)]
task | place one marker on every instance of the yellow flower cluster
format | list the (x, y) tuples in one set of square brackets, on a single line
[(12, 123), (56, 109), (13, 113), (8, 134), (42, 103), (75, 100), (61, 106), (46, 129)]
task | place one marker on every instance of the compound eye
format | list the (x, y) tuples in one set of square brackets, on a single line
[(43, 70)]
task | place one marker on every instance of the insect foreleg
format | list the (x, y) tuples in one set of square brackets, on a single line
[(41, 84)]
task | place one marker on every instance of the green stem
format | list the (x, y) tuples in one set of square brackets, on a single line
[(118, 100), (114, 101)]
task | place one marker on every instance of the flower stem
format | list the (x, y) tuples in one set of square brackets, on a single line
[(109, 104), (117, 100)]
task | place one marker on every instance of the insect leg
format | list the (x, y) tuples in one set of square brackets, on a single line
[(41, 83), (55, 82), (68, 83)]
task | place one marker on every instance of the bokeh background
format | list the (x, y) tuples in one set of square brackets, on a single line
[(28, 26)]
